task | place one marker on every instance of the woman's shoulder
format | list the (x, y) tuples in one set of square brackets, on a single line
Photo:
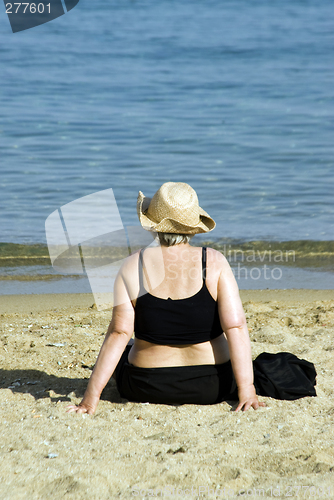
[(216, 257), (218, 266), (130, 263)]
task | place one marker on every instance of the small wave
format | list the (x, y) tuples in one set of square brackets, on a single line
[(299, 253)]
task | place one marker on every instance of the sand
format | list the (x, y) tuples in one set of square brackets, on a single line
[(128, 450)]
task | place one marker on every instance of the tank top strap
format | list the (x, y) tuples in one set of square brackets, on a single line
[(204, 263), (141, 270)]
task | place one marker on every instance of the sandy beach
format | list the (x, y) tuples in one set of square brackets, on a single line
[(48, 347)]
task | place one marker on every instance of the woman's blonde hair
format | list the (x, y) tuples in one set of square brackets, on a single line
[(171, 239)]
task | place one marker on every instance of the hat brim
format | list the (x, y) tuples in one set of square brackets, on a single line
[(170, 225)]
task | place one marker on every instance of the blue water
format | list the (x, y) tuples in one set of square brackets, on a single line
[(235, 98)]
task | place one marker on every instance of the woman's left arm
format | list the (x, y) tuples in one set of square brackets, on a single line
[(118, 335)]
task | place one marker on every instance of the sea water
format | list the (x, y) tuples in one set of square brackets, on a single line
[(234, 98)]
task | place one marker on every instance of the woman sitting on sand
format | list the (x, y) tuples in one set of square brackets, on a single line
[(182, 302)]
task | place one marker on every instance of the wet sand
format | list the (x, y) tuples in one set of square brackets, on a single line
[(48, 347)]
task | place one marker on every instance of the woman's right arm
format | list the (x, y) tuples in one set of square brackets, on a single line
[(233, 321)]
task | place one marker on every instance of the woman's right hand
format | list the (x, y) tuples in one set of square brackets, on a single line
[(248, 398)]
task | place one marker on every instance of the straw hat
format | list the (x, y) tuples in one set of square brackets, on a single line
[(173, 209)]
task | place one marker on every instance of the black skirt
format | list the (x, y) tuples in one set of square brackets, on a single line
[(280, 376)]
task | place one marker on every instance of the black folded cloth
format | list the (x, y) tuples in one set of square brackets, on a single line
[(284, 376)]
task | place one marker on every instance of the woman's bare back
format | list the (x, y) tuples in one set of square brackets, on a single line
[(176, 273)]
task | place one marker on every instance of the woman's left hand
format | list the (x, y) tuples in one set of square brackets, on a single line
[(87, 405), (248, 399)]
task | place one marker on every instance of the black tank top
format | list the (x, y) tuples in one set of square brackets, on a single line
[(185, 321)]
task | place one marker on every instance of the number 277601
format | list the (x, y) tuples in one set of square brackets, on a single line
[(27, 7)]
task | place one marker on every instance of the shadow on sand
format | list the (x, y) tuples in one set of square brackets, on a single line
[(39, 384)]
